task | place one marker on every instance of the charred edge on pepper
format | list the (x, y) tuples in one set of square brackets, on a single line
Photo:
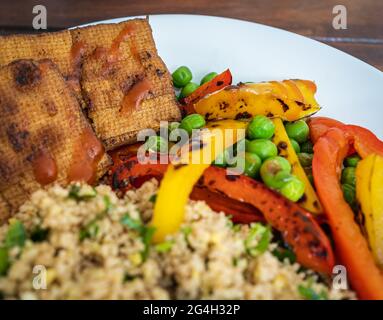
[(232, 177), (223, 105), (179, 166), (285, 107), (208, 115), (231, 87), (282, 145), (242, 115)]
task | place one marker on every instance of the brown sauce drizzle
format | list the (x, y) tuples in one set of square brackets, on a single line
[(44, 66), (76, 53), (124, 35), (134, 96), (87, 153), (139, 90), (44, 167)]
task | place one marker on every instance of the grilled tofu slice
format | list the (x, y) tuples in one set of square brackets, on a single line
[(125, 83), (56, 46), (44, 136)]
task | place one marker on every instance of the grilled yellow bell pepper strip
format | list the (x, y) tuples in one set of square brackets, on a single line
[(310, 201), (289, 100), (377, 207), (363, 177), (369, 191), (179, 178)]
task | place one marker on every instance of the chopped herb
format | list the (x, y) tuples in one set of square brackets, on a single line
[(147, 236), (131, 223), (77, 193), (145, 232), (186, 230), (237, 228), (153, 198), (129, 277), (235, 261), (39, 234), (4, 261), (309, 293), (73, 191), (262, 235), (230, 223), (284, 253), (90, 230), (108, 204), (16, 235), (164, 246)]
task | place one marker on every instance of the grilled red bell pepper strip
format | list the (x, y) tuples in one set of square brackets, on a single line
[(365, 142), (329, 153), (131, 174), (220, 81), (298, 227), (320, 125), (240, 212), (362, 140)]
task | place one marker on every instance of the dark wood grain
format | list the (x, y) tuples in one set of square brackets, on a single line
[(363, 38)]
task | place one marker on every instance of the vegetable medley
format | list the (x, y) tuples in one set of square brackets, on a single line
[(300, 173)]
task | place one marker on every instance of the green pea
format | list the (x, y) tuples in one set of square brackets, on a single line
[(282, 162), (295, 145), (349, 193), (222, 159), (298, 130), (4, 260), (247, 143), (231, 155), (275, 172), (263, 148), (252, 164), (188, 89), (260, 127), (348, 176), (210, 76), (182, 76), (157, 144), (293, 189), (352, 161), (275, 181), (192, 121), (173, 126), (307, 147), (305, 159)]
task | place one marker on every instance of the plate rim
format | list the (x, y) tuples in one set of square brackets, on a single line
[(260, 25)]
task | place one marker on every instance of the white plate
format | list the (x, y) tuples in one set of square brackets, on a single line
[(348, 89)]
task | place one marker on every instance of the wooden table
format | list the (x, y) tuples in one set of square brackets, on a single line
[(313, 18)]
